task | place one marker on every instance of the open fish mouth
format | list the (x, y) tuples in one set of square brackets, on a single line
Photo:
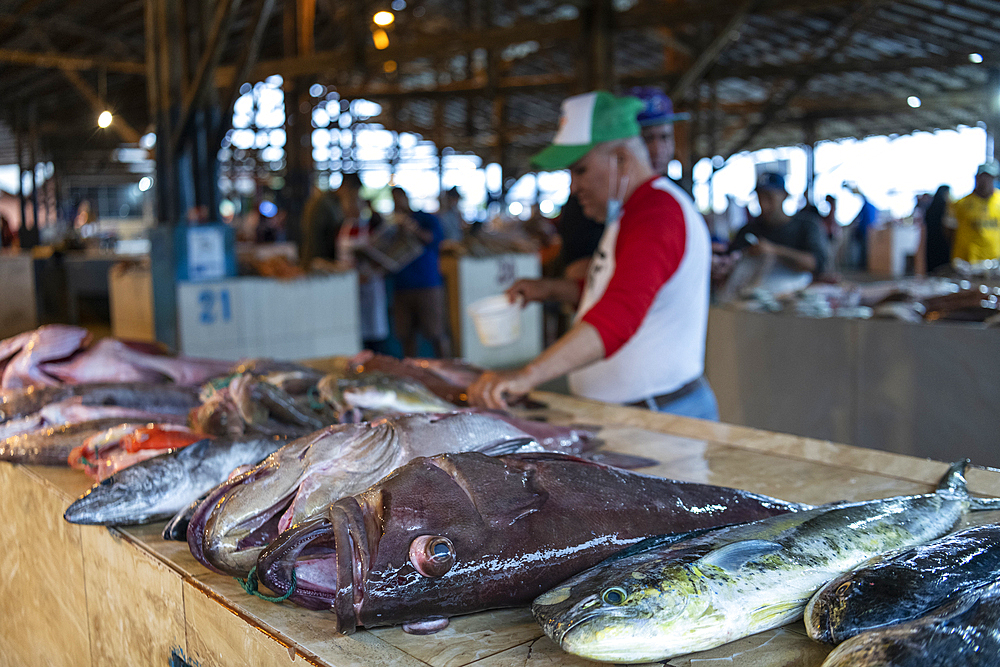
[(322, 562), (235, 553)]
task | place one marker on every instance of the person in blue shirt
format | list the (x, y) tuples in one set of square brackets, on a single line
[(866, 219), (419, 304)]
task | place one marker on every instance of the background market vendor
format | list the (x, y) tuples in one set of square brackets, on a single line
[(639, 333)]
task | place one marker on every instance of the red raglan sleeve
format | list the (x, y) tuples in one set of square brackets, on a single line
[(648, 251)]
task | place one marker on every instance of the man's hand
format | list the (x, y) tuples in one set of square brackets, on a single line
[(762, 248), (529, 290), (545, 289), (493, 389)]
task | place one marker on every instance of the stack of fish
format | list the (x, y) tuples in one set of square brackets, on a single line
[(58, 354), (663, 601), (43, 425), (396, 505), (935, 604)]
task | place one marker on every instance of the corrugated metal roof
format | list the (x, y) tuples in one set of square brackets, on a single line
[(837, 68)]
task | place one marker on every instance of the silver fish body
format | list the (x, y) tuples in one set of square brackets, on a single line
[(52, 445), (965, 632), (158, 488), (735, 581), (905, 585), (20, 403), (243, 515)]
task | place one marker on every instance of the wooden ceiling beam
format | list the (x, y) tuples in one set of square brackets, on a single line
[(119, 125), (221, 21), (778, 104), (128, 133), (253, 36), (108, 43), (57, 60), (847, 66), (711, 53)]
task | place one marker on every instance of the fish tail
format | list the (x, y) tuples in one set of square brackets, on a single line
[(953, 482)]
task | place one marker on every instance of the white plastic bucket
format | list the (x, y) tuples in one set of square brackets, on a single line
[(497, 320)]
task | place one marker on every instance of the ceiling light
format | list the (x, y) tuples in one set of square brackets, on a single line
[(380, 39), (383, 18), (975, 58), (145, 183), (104, 120), (913, 101)]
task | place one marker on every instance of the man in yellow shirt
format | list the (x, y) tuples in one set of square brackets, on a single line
[(975, 219)]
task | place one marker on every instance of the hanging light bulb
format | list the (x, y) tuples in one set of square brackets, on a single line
[(380, 39), (104, 120), (383, 18)]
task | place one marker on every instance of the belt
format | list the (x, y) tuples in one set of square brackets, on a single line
[(654, 402)]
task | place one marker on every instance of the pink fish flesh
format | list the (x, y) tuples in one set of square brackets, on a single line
[(47, 343)]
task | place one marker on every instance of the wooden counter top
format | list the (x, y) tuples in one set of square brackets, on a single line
[(80, 595)]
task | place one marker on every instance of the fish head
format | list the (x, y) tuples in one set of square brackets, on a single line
[(846, 605), (827, 615), (217, 415), (241, 515), (421, 544), (630, 610), (123, 498)]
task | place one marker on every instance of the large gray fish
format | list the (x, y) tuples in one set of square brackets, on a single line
[(158, 488), (243, 515), (905, 585), (962, 633), (736, 581), (458, 533)]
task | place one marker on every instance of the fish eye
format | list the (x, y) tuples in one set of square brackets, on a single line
[(615, 596), (432, 555), (843, 588)]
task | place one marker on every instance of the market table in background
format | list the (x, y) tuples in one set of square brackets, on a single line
[(921, 389), (18, 309), (84, 595)]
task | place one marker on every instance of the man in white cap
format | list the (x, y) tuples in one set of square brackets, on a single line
[(639, 333), (974, 220)]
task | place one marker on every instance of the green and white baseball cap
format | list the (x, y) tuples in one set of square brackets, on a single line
[(588, 120)]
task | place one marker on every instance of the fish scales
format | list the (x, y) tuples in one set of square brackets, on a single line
[(904, 585), (735, 581), (964, 632)]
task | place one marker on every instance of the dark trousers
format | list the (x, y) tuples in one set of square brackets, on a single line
[(421, 311)]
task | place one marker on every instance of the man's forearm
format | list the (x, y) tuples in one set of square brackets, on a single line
[(564, 290), (797, 259), (580, 346)]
